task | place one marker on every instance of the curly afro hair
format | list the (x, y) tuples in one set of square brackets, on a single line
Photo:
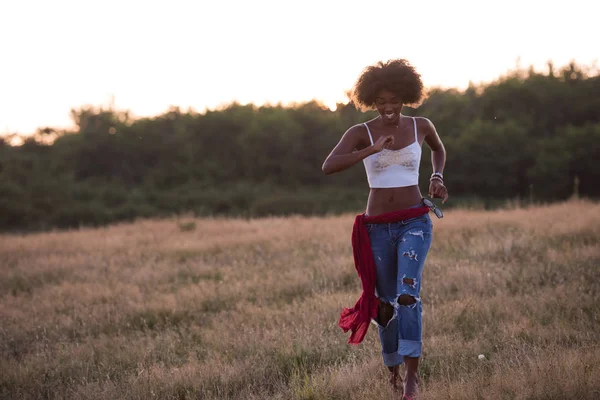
[(396, 76)]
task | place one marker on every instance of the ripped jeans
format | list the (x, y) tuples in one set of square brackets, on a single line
[(399, 252)]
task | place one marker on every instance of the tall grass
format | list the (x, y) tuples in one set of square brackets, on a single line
[(248, 309)]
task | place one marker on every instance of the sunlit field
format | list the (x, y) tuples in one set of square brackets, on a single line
[(247, 309)]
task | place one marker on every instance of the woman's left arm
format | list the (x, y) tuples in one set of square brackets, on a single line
[(438, 160)]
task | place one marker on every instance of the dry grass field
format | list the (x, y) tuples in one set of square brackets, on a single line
[(247, 309)]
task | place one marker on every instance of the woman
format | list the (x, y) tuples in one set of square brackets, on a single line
[(391, 240)]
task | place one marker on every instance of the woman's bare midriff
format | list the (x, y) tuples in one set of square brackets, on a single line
[(384, 200)]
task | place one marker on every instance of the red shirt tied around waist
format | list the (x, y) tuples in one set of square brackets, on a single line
[(358, 318)]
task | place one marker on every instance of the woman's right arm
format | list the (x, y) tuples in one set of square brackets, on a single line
[(344, 154)]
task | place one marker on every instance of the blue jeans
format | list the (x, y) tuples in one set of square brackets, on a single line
[(399, 252)]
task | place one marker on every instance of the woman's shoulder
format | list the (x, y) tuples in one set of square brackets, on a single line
[(363, 127), (358, 129), (358, 135), (424, 125)]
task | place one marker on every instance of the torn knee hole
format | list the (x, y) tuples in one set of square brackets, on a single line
[(385, 313), (406, 300)]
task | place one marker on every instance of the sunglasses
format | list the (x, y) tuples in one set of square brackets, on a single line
[(438, 212)]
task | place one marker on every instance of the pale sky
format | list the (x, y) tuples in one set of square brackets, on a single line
[(150, 55)]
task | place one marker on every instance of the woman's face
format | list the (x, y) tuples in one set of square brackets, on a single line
[(388, 105)]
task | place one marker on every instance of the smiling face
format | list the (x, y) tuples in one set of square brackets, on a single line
[(388, 105)]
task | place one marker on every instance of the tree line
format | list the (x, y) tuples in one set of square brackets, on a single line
[(528, 135)]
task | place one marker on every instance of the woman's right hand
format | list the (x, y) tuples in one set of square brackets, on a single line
[(383, 142)]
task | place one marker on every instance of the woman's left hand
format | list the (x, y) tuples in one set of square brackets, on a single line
[(438, 190)]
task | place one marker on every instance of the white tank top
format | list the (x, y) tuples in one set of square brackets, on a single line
[(394, 168)]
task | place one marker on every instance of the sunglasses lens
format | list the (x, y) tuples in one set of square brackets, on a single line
[(433, 207)]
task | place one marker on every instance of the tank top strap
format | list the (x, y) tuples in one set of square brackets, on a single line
[(415, 124), (369, 132)]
